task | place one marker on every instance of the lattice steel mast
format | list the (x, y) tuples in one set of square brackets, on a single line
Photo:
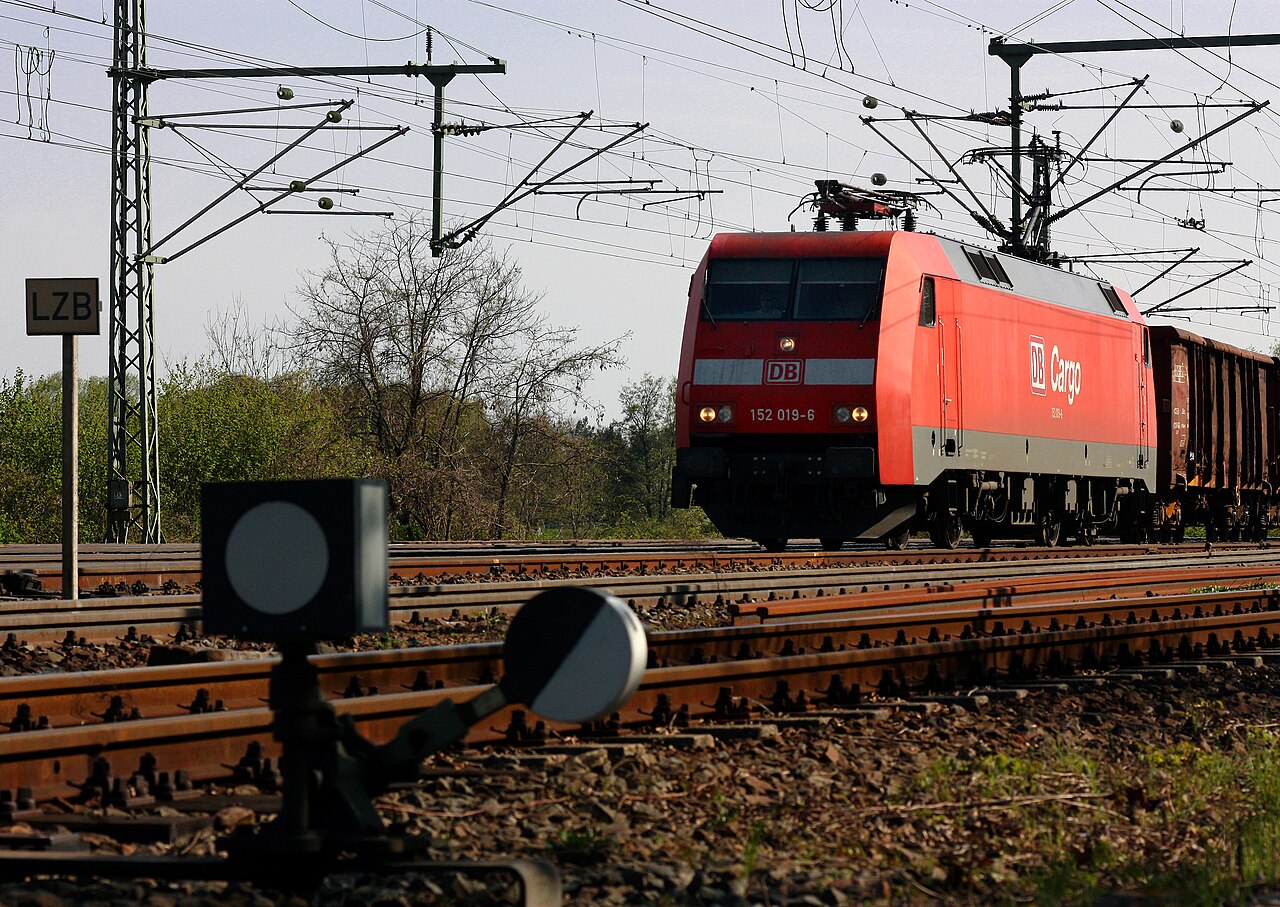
[(133, 469), (133, 477)]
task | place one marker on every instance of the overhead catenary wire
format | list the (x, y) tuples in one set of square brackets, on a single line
[(790, 172)]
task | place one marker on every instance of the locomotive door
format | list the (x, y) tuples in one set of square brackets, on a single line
[(1142, 358), (950, 368)]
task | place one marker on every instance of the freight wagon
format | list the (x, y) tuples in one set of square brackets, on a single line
[(1216, 419)]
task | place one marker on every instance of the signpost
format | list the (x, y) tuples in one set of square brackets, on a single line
[(68, 306)]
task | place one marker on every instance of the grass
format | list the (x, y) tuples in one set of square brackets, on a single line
[(691, 524), (580, 845), (1189, 823), (751, 850), (1257, 586)]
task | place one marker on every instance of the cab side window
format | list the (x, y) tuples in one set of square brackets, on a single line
[(928, 309)]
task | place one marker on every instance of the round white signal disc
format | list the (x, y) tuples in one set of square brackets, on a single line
[(574, 654), (277, 557)]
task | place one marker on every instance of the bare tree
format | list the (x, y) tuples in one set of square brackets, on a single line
[(239, 347), (374, 322), (544, 369), (437, 357), (648, 434)]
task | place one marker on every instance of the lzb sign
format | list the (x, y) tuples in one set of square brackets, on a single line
[(62, 305)]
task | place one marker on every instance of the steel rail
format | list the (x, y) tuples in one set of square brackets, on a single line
[(86, 697), (972, 643), (109, 619), (155, 568), (1079, 587), (56, 762)]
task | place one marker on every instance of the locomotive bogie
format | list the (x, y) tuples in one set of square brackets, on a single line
[(1047, 510)]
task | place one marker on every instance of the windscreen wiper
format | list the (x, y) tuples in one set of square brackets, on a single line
[(875, 306), (706, 308)]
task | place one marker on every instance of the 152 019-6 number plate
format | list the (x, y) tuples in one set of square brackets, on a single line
[(768, 414)]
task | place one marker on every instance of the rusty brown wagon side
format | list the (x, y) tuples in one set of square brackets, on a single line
[(1216, 436)]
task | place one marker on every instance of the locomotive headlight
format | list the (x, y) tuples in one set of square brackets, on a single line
[(787, 344), (707, 414), (843, 414), (860, 414), (725, 414)]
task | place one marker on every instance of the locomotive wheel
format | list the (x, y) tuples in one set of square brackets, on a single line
[(899, 540), (981, 535), (1050, 532), (1179, 532), (945, 531), (831, 544), (772, 545)]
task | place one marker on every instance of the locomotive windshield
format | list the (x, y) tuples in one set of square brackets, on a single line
[(781, 289), (749, 289)]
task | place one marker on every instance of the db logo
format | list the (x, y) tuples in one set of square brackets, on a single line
[(1037, 365), (782, 371)]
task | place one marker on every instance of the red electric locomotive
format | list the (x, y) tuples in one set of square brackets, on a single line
[(858, 385)]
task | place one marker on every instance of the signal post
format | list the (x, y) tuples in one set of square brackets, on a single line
[(68, 306)]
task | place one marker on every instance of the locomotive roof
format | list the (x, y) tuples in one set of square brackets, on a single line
[(1032, 280), (1028, 279)]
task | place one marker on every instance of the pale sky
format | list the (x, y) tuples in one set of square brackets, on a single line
[(752, 100)]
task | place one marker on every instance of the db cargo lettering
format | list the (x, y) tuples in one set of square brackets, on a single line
[(1037, 365), (1064, 376)]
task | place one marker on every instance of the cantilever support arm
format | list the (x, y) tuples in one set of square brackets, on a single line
[(983, 221), (1172, 154), (463, 234), (1137, 84), (1190, 252), (912, 119), (1203, 283), (248, 178), (400, 130)]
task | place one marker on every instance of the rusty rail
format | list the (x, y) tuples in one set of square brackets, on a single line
[(150, 568), (1078, 587), (47, 622), (745, 665)]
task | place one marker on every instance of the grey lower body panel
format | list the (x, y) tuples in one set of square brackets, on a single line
[(995, 452)]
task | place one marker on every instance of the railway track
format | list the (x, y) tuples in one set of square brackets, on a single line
[(88, 697), (43, 621), (726, 673), (114, 570)]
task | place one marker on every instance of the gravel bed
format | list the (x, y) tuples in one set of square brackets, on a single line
[(19, 657), (1135, 791)]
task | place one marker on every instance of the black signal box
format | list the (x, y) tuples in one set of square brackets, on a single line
[(302, 560)]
